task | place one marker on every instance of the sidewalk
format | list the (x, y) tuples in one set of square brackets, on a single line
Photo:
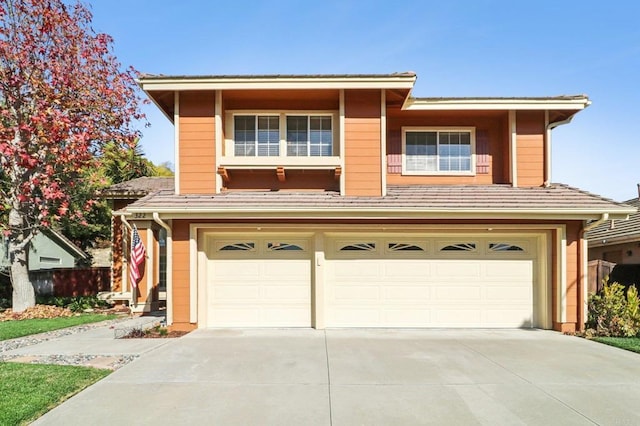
[(92, 345)]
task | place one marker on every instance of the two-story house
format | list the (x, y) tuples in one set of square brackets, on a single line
[(344, 201)]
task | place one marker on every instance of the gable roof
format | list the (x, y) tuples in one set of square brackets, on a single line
[(617, 231), (419, 201), (139, 187), (65, 243)]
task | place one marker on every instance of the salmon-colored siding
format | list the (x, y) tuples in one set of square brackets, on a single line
[(295, 180), (197, 156), (181, 274), (489, 127), (304, 100), (363, 174), (530, 148), (574, 296)]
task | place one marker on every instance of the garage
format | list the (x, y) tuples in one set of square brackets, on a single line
[(462, 281), (258, 282)]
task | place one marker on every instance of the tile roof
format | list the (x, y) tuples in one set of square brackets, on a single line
[(619, 229), (139, 187), (490, 199)]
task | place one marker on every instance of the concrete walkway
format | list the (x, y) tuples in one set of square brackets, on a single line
[(354, 377), (92, 345)]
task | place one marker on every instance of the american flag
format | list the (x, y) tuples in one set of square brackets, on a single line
[(137, 256)]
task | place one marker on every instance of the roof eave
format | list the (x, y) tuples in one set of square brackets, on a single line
[(391, 81), (377, 213), (571, 104)]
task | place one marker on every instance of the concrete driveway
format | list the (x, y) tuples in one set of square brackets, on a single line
[(366, 377)]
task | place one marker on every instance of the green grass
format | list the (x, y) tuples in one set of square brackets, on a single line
[(628, 343), (19, 328), (27, 391)]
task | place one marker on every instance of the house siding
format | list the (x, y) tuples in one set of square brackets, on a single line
[(279, 100), (530, 147), (181, 273), (197, 156), (624, 254), (574, 296), (491, 146), (363, 174)]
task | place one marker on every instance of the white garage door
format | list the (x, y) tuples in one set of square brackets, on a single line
[(461, 282), (259, 282)]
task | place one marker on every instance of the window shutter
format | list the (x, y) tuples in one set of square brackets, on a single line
[(482, 152), (394, 152)]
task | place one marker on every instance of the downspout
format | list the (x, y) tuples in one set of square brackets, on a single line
[(589, 227), (169, 266), (548, 128)]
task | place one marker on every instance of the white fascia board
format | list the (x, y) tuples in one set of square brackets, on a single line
[(373, 213), (272, 83), (496, 104)]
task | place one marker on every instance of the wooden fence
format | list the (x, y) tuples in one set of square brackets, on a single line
[(598, 271), (71, 282)]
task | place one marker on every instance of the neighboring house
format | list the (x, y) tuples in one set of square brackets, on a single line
[(617, 241), (344, 201), (49, 249)]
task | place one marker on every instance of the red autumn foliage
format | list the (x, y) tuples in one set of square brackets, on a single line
[(63, 96)]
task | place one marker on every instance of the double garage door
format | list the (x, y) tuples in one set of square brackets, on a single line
[(381, 281)]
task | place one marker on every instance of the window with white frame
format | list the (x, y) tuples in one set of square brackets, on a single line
[(257, 135), (434, 151), (273, 134), (309, 135)]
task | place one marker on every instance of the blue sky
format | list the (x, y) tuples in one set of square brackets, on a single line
[(457, 48)]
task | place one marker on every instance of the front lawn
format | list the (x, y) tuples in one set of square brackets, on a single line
[(27, 391), (19, 328), (628, 343)]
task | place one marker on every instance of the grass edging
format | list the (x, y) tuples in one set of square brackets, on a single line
[(21, 328), (27, 391), (627, 343)]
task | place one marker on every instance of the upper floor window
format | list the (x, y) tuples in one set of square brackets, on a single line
[(435, 151), (257, 135), (280, 134), (309, 135)]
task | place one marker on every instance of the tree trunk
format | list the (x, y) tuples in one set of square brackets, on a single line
[(23, 293)]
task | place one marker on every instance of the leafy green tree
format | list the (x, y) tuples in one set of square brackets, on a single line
[(120, 165), (164, 169)]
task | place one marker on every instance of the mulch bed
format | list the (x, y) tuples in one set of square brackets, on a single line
[(50, 311), (36, 312), (154, 333)]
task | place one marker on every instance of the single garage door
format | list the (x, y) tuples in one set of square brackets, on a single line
[(430, 282), (258, 282)]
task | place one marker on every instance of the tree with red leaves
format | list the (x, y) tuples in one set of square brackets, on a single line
[(63, 97)]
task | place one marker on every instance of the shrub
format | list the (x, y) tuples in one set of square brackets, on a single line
[(612, 314), (75, 304)]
